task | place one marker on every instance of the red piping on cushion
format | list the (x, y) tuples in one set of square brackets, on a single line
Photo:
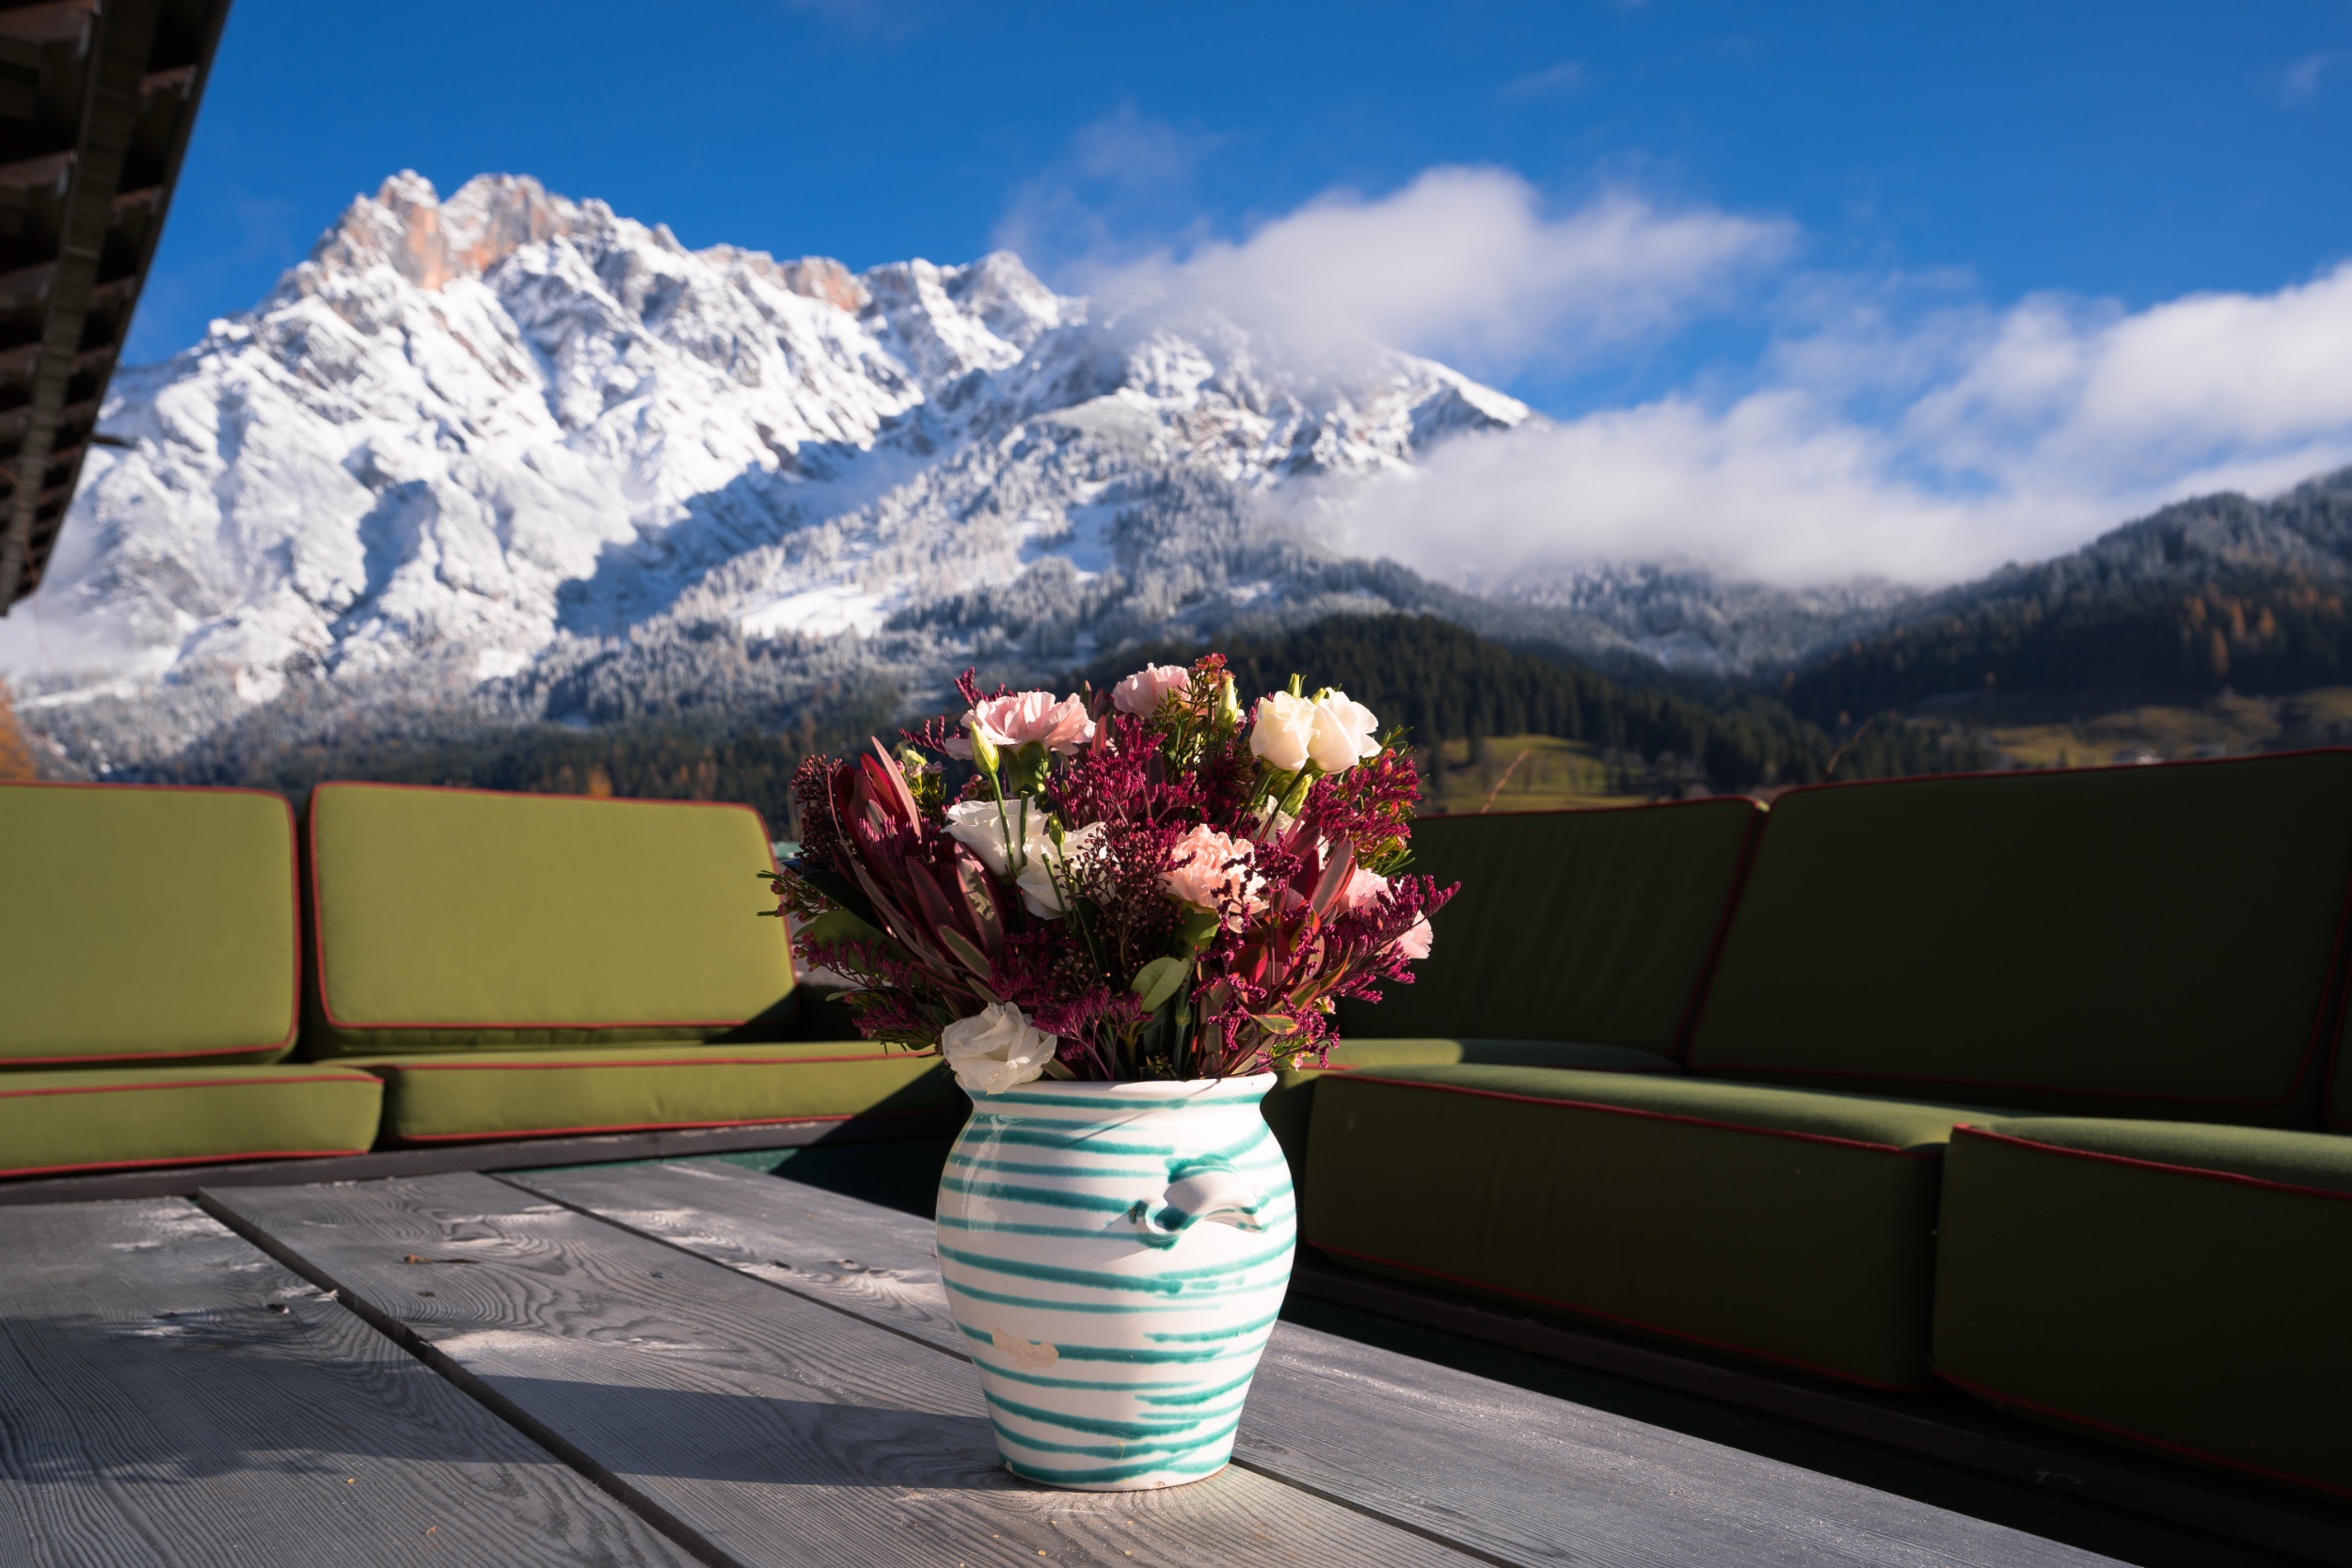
[(1659, 1116), (1984, 1392), (293, 890), (182, 1083), (2198, 1171), (318, 936), (140, 1055), (187, 1160), (647, 1126), (2329, 998), (1688, 1024), (1616, 1318), (694, 1061)]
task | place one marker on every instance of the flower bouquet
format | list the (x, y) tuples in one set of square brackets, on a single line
[(1139, 906)]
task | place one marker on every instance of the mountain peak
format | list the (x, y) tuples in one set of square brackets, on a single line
[(429, 242)]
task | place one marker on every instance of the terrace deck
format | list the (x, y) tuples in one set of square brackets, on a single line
[(695, 1362)]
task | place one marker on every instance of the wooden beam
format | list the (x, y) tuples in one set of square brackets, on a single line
[(508, 1154)]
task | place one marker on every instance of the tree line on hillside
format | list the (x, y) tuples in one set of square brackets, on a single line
[(2265, 632), (1443, 683), (1439, 680)]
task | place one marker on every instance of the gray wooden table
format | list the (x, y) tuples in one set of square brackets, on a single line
[(666, 1364)]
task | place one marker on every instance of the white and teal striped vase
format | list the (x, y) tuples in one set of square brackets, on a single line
[(1116, 1255)]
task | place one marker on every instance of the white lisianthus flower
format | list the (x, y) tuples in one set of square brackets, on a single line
[(1003, 836), (1284, 729), (1016, 844), (1040, 890), (996, 1049), (1344, 735), (1142, 692)]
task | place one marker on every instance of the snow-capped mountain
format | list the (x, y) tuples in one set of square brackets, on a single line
[(508, 437)]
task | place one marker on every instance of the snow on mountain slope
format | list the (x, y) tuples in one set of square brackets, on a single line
[(509, 434)]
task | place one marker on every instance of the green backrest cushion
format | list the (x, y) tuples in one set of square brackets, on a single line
[(449, 918), (2155, 941), (139, 925), (1587, 926)]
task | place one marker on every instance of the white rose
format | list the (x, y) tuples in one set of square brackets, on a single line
[(1344, 733), (1003, 836), (995, 1049), (1038, 887), (1286, 727)]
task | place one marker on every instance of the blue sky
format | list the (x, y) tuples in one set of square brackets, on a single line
[(1919, 263)]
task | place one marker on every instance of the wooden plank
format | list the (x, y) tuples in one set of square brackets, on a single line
[(760, 1424), (508, 1154), (1517, 1477), (170, 1396), (1948, 1428)]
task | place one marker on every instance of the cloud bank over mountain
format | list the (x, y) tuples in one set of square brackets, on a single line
[(1884, 429)]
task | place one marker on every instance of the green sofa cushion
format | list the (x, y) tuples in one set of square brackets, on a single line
[(2150, 942), (1792, 1225), (56, 1122), (1588, 926), (454, 919), (506, 1094), (139, 925), (2178, 1286), (1288, 1104)]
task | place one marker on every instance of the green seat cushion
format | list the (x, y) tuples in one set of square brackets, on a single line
[(1587, 926), (56, 1122), (1287, 1104), (504, 1094), (1792, 1225), (2180, 1286), (459, 919), (141, 924), (2155, 941)]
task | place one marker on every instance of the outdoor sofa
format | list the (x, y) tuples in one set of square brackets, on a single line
[(190, 979), (2029, 1084)]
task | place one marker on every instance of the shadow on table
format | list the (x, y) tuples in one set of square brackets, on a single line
[(192, 1396)]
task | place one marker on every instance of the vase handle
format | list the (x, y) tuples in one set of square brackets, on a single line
[(1206, 1192)]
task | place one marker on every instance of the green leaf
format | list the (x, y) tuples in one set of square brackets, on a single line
[(961, 945), (1198, 928), (1275, 1024), (839, 926), (1156, 981)]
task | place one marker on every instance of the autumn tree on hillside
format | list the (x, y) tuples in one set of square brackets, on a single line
[(16, 749)]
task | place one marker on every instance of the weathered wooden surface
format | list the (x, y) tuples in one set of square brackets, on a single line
[(1516, 1477), (170, 1396), (754, 1423)]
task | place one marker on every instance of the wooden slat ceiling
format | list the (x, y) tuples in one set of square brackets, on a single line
[(97, 98)]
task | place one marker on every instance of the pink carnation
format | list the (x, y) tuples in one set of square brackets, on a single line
[(1364, 889), (1414, 944), (1142, 692), (1212, 872), (1024, 716)]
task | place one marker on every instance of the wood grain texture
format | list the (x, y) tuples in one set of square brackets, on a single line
[(1516, 1476), (758, 1423), (168, 1395)]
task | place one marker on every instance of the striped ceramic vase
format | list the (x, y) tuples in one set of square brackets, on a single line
[(1115, 1255)]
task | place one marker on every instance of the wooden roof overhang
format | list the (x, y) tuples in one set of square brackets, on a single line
[(97, 99)]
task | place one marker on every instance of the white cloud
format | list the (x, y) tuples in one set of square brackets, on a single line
[(1466, 264), (2299, 82), (2022, 434)]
